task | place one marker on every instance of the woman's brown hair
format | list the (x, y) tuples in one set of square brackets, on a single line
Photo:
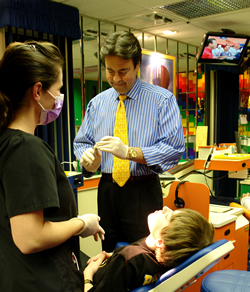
[(22, 65)]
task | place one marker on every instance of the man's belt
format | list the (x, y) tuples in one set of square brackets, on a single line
[(109, 177)]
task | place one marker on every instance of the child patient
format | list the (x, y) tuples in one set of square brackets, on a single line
[(174, 237)]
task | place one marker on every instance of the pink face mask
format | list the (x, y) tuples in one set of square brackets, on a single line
[(48, 116)]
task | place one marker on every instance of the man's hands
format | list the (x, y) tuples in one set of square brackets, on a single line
[(113, 145), (91, 159), (245, 201)]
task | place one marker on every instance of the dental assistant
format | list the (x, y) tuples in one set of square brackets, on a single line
[(39, 227), (155, 142)]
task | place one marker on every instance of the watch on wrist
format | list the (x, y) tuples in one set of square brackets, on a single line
[(132, 153)]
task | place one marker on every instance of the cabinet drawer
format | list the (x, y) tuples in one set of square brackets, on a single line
[(227, 260), (225, 232)]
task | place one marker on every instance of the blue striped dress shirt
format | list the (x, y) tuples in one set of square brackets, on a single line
[(154, 125)]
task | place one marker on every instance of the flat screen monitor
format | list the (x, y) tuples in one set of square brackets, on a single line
[(222, 49)]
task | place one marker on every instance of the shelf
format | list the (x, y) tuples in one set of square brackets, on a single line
[(223, 164)]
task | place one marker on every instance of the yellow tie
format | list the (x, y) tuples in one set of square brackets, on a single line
[(121, 172)]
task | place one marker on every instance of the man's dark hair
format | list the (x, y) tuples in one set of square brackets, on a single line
[(210, 41), (123, 44)]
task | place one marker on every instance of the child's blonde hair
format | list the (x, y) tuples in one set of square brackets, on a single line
[(187, 232)]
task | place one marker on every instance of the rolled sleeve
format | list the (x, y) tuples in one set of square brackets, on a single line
[(167, 151)]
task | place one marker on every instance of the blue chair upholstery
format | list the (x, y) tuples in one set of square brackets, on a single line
[(193, 267), (226, 281), (121, 243)]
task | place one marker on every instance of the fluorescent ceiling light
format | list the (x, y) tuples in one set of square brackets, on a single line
[(140, 37), (169, 32)]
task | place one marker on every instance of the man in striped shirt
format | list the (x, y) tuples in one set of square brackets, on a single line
[(155, 135)]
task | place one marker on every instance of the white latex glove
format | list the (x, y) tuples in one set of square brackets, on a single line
[(91, 159), (113, 145), (245, 202), (91, 226)]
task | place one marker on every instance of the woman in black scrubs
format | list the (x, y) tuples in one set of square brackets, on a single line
[(39, 243)]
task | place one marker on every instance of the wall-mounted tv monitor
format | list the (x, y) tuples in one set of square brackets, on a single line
[(223, 49)]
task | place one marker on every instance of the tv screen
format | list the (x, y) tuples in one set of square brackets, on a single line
[(222, 49)]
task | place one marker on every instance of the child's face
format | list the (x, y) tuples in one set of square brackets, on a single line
[(158, 220)]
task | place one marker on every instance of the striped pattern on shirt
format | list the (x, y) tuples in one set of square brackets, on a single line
[(154, 125)]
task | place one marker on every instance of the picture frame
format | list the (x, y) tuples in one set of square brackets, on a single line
[(244, 101), (158, 69)]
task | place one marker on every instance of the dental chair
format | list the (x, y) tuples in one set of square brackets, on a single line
[(187, 273), (226, 281), (191, 195), (190, 273)]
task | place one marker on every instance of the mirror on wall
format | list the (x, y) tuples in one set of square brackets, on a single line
[(90, 33), (121, 28), (161, 45), (85, 67), (76, 52), (106, 28), (77, 79), (139, 36), (149, 42), (171, 47)]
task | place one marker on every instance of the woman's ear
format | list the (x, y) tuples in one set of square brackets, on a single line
[(36, 90)]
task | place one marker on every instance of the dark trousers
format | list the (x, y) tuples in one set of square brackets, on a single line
[(124, 210)]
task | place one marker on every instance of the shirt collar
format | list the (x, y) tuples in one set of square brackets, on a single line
[(133, 92)]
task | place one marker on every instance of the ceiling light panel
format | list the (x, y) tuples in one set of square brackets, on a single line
[(191, 9)]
